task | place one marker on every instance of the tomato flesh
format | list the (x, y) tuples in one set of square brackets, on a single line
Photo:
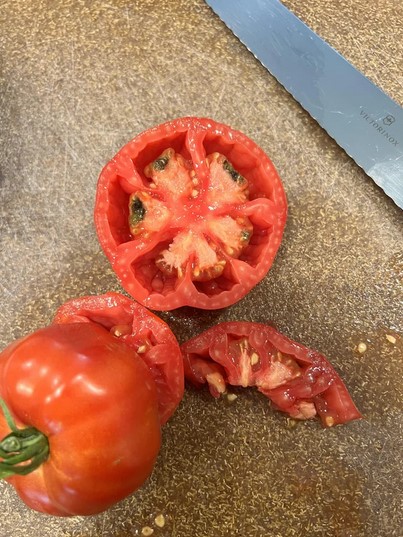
[(190, 213), (297, 380)]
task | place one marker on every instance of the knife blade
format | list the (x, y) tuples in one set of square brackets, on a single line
[(361, 118)]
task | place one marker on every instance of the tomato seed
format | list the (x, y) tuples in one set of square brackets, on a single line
[(329, 421), (361, 348), (121, 330), (160, 521)]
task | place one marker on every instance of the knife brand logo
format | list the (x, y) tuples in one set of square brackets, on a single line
[(388, 120)]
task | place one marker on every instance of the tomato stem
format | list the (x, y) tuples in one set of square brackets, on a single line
[(23, 450)]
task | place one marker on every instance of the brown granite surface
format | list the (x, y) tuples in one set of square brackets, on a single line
[(78, 79)]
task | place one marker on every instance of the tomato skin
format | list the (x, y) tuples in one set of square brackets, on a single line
[(136, 257), (298, 380), (96, 402), (144, 332)]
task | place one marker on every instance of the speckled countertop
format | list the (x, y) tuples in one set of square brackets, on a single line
[(78, 79)]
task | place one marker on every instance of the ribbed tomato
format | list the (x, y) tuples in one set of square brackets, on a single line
[(79, 419), (190, 212)]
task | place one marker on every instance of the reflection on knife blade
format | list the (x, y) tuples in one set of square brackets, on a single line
[(362, 119)]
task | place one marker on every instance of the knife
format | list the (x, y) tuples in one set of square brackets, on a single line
[(362, 119)]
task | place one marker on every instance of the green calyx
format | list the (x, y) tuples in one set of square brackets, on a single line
[(23, 450)]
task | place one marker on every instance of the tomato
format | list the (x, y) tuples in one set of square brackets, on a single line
[(298, 380), (140, 329), (88, 405), (190, 212)]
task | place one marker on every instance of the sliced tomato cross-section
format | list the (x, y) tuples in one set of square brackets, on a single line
[(143, 331), (298, 380), (190, 212)]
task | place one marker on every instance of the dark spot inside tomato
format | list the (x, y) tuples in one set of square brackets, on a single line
[(236, 176), (137, 211), (147, 214), (245, 235), (160, 163)]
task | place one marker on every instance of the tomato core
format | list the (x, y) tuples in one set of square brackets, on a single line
[(206, 234)]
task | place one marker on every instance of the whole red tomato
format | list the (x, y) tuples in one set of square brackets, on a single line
[(86, 409), (190, 212)]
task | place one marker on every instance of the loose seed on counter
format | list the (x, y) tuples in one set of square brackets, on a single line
[(291, 423), (361, 348), (160, 521), (391, 339)]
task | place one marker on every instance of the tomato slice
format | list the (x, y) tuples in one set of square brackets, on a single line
[(190, 212), (143, 331), (298, 380)]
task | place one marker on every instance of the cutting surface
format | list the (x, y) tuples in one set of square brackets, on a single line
[(80, 79)]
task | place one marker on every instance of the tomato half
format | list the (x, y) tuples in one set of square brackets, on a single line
[(88, 405), (141, 330), (190, 212), (298, 380)]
